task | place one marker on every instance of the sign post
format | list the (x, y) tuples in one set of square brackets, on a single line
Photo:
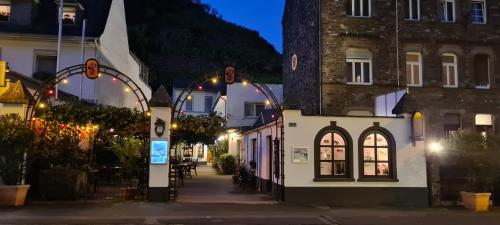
[(161, 109)]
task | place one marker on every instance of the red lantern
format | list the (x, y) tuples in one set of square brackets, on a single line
[(229, 75)]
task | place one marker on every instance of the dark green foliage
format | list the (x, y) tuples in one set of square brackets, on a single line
[(198, 129), (122, 120), (480, 156), (15, 138), (227, 164), (184, 38)]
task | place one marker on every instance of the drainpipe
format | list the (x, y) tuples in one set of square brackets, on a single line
[(320, 81)]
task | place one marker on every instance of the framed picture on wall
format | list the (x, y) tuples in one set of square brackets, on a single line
[(300, 155)]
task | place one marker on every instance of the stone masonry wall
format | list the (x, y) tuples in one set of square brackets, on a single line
[(431, 38), (301, 37)]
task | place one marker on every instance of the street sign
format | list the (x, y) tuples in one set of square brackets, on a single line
[(229, 75), (92, 69)]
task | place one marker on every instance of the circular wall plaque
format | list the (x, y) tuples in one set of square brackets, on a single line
[(294, 62)]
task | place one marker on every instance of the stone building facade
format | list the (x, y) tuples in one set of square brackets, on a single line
[(339, 55)]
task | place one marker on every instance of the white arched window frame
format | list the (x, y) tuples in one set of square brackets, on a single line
[(414, 69), (449, 70)]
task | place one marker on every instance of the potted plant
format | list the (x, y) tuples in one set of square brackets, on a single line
[(15, 137), (478, 153), (227, 164)]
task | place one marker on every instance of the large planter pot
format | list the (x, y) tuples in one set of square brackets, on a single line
[(62, 184), (477, 202), (13, 195)]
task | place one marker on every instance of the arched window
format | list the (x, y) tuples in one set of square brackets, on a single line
[(377, 154), (333, 154)]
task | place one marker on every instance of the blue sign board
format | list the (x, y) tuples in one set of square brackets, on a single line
[(159, 152)]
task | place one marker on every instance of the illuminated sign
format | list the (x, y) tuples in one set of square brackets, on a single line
[(92, 69), (159, 152), (3, 70), (229, 75)]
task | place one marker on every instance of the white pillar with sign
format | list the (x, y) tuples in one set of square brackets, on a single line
[(161, 109)]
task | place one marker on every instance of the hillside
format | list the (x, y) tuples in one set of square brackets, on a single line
[(187, 39)]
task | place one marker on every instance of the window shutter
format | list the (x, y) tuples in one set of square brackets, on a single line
[(46, 64), (248, 109)]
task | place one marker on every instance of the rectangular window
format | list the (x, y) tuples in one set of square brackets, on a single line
[(209, 101), (189, 104), (448, 10), (4, 10), (478, 12), (359, 8), (412, 9), (451, 124), (449, 69), (69, 14), (254, 109), (482, 71), (45, 66), (413, 69), (359, 71)]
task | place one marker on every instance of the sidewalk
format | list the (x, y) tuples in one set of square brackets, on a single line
[(251, 214), (208, 187)]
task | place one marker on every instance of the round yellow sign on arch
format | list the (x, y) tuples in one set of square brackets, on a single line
[(92, 69)]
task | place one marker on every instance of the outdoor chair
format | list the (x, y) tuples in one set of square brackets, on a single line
[(187, 170), (193, 167)]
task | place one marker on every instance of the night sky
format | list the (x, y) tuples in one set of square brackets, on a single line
[(264, 16)]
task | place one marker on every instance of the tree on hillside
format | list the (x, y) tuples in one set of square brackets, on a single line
[(185, 38)]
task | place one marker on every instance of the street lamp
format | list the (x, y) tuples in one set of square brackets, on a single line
[(436, 147)]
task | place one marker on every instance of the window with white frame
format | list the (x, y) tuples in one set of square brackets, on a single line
[(482, 71), (412, 9), (478, 11), (359, 66), (449, 69), (448, 10), (209, 102), (4, 10), (359, 8), (45, 64), (413, 69), (189, 104)]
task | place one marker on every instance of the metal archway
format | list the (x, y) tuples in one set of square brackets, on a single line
[(42, 92), (265, 90)]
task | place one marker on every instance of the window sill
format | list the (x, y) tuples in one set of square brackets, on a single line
[(359, 16), (334, 179), (360, 84), (446, 86), (414, 85), (377, 179), (412, 20), (482, 87)]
